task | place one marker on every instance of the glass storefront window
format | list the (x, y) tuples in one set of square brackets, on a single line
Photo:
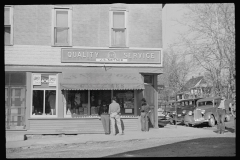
[(50, 102), (125, 98), (96, 99), (76, 103), (44, 99)]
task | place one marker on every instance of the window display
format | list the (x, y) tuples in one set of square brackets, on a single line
[(125, 98), (96, 100), (44, 94), (77, 103)]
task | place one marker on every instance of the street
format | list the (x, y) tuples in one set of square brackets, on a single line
[(158, 147)]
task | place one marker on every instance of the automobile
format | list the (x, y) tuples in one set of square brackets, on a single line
[(174, 109), (183, 107), (205, 112)]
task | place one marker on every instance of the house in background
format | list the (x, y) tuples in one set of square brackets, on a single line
[(195, 87)]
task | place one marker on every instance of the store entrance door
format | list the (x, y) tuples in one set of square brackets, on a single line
[(150, 98), (15, 107)]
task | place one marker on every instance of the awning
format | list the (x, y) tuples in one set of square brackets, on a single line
[(101, 79)]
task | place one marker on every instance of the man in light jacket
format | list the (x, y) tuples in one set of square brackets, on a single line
[(221, 111), (114, 111)]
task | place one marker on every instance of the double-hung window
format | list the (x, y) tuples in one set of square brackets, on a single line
[(62, 26), (118, 27), (8, 25)]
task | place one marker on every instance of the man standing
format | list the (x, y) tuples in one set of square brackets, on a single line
[(221, 116), (103, 112), (145, 115), (114, 111)]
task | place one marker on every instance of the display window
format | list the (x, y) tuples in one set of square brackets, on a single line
[(125, 98), (76, 103), (96, 99), (44, 95)]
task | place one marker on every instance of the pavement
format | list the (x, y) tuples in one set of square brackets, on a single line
[(20, 139)]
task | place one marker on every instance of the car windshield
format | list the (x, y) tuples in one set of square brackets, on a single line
[(201, 103), (190, 103), (209, 103)]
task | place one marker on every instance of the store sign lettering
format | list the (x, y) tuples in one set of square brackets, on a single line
[(110, 56)]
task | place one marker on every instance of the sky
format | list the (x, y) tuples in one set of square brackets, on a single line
[(171, 13)]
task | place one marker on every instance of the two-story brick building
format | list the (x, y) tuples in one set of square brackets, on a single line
[(55, 54)]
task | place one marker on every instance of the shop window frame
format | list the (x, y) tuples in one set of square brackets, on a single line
[(54, 20), (9, 25), (44, 89), (111, 28)]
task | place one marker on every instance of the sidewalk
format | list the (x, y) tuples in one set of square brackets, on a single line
[(169, 131)]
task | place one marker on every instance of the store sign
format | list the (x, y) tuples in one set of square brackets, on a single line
[(36, 79), (110, 55)]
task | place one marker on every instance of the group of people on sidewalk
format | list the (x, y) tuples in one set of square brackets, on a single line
[(111, 115)]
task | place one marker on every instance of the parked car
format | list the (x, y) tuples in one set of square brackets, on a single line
[(175, 108), (205, 112), (183, 107)]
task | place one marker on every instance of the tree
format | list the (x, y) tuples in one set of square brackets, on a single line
[(210, 40), (176, 70)]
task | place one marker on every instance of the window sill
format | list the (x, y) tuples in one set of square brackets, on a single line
[(61, 46), (118, 47)]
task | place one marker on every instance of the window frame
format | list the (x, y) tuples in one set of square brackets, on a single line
[(152, 79), (54, 10), (11, 25), (111, 11), (44, 89)]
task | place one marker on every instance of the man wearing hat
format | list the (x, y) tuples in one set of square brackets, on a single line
[(221, 111)]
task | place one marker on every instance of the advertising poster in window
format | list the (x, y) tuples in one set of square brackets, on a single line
[(52, 80), (36, 79)]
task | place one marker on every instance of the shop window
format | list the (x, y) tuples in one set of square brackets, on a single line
[(96, 99), (76, 103), (8, 25), (62, 27), (44, 95), (15, 100), (118, 27), (125, 98)]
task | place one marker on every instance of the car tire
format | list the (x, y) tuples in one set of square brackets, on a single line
[(227, 118), (211, 121)]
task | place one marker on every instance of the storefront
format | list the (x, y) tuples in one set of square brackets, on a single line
[(66, 98)]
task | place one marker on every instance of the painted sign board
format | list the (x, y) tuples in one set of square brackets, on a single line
[(78, 55)]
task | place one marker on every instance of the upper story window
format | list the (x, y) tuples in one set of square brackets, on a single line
[(8, 25), (118, 25), (62, 26)]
